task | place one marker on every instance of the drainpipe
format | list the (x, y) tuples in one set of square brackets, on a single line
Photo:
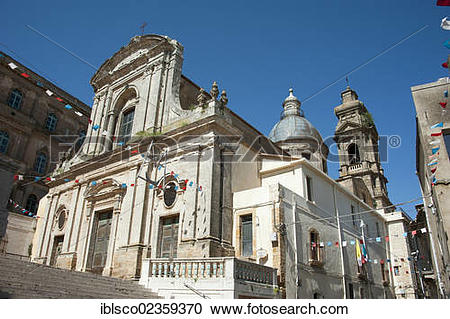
[(341, 251)]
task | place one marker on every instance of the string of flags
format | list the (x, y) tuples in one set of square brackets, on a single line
[(436, 129), (48, 90), (360, 245), (22, 210)]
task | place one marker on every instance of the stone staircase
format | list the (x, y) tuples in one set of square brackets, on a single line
[(24, 279)]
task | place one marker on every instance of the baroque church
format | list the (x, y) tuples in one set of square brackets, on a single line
[(173, 189)]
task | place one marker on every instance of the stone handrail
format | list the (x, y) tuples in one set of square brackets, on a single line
[(225, 267), (187, 268), (254, 272)]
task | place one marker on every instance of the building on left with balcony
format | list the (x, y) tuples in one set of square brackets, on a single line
[(38, 123)]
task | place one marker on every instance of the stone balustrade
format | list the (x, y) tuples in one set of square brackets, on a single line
[(226, 267), (355, 167)]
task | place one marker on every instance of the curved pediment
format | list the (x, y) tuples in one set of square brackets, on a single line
[(104, 189), (136, 53), (347, 126)]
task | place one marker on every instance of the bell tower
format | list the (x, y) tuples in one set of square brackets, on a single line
[(357, 141)]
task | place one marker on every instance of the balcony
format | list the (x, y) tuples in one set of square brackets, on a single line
[(221, 277)]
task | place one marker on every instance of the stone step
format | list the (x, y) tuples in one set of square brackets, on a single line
[(37, 269), (24, 279)]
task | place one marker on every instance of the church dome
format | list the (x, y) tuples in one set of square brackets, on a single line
[(293, 125)]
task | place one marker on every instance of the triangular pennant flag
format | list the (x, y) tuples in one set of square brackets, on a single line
[(25, 75), (344, 243), (375, 261), (433, 170), (445, 93), (434, 150), (443, 104), (436, 134), (12, 65), (336, 244), (68, 107), (445, 24), (322, 244), (59, 99), (104, 133), (432, 163), (329, 244), (386, 238), (414, 232), (378, 239), (441, 124), (445, 65), (78, 113), (352, 242), (49, 93), (39, 84), (423, 230), (94, 183), (95, 127), (150, 186), (434, 142), (444, 3)]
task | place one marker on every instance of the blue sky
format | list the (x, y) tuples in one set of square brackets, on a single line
[(256, 50)]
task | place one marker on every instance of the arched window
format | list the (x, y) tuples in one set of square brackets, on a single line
[(41, 163), (314, 249), (4, 140), (15, 99), (124, 109), (126, 125), (353, 154), (80, 139), (32, 202), (51, 122)]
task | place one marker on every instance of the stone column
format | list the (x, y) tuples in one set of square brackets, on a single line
[(108, 139)]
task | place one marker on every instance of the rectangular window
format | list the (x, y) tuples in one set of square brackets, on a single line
[(314, 246), (396, 271), (378, 229), (246, 236), (383, 272), (353, 216), (309, 193), (168, 237), (447, 142)]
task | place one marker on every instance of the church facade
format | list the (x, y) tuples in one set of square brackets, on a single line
[(175, 190)]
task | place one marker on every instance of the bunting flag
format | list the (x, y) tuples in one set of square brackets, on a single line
[(433, 170), (21, 210), (445, 93), (443, 104), (414, 232), (436, 134), (445, 65), (12, 65), (434, 142), (444, 3), (441, 124), (358, 254), (435, 150), (445, 24)]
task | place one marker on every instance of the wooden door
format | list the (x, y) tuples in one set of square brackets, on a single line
[(56, 250), (100, 241)]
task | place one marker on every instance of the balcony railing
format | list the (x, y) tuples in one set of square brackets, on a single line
[(226, 267)]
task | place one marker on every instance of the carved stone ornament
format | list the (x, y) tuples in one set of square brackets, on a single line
[(202, 97), (214, 90), (224, 98)]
